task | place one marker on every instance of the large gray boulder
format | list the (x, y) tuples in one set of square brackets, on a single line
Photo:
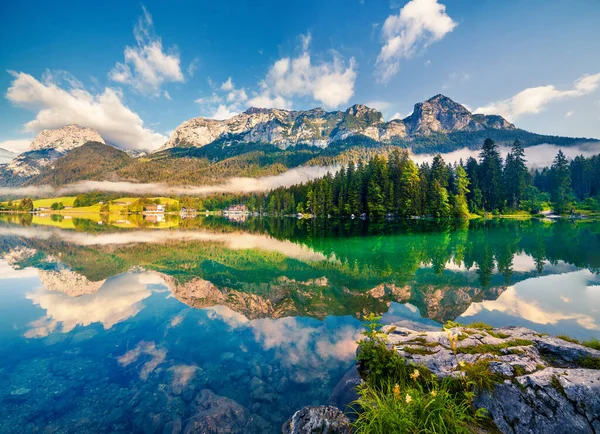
[(548, 384), (321, 419)]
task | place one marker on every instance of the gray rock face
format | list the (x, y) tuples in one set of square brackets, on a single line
[(318, 420), (442, 115), (545, 387), (316, 127), (47, 147)]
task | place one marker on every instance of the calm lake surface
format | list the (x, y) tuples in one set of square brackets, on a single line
[(176, 325)]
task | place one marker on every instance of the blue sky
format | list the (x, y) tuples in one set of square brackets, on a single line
[(134, 71)]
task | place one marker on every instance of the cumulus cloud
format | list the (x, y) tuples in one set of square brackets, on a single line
[(329, 83), (535, 99), (17, 145), (419, 24), (303, 346), (568, 114), (523, 301), (156, 355), (118, 299), (379, 105), (225, 102), (147, 66), (58, 106), (399, 115)]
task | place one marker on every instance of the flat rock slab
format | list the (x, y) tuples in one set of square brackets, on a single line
[(545, 387)]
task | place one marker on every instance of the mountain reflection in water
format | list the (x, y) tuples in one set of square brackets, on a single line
[(142, 329)]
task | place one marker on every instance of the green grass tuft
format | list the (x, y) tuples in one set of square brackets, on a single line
[(592, 343), (493, 348), (480, 376), (417, 351), (498, 335), (480, 326), (589, 362), (568, 339)]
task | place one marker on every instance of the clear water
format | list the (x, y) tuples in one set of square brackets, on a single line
[(106, 328)]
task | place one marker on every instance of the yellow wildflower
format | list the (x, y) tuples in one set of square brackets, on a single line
[(408, 398), (462, 364), (397, 391), (415, 374), (434, 393)]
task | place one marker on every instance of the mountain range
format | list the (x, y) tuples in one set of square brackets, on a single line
[(260, 142)]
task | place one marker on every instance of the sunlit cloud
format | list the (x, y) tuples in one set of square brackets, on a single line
[(147, 66), (58, 104), (418, 24), (118, 299), (533, 100), (157, 357), (328, 83), (523, 300)]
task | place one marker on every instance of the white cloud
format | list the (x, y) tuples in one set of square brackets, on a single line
[(226, 106), (17, 145), (419, 23), (399, 115), (568, 114), (379, 105), (223, 112), (119, 298), (535, 99), (329, 83), (212, 99), (265, 100), (523, 300), (104, 112), (147, 66), (228, 85)]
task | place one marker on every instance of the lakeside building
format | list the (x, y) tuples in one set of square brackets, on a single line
[(154, 208)]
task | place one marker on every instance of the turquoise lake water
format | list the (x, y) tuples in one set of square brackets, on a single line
[(108, 329)]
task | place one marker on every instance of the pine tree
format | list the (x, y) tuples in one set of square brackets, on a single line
[(474, 194), (516, 176), (461, 210), (439, 206), (490, 171), (561, 183), (409, 193)]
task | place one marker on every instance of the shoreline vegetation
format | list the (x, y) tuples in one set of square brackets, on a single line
[(388, 186), (445, 379)]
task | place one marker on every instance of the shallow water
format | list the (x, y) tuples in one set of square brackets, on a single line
[(180, 325)]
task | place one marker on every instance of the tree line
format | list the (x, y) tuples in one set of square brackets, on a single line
[(490, 184)]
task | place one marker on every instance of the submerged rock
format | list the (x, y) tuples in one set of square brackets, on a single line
[(318, 419), (546, 384), (216, 414)]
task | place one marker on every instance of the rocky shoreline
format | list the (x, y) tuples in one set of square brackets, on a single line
[(544, 384)]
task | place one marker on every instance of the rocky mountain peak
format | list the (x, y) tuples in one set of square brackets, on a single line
[(256, 110), (316, 127), (360, 110), (64, 139), (440, 114)]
